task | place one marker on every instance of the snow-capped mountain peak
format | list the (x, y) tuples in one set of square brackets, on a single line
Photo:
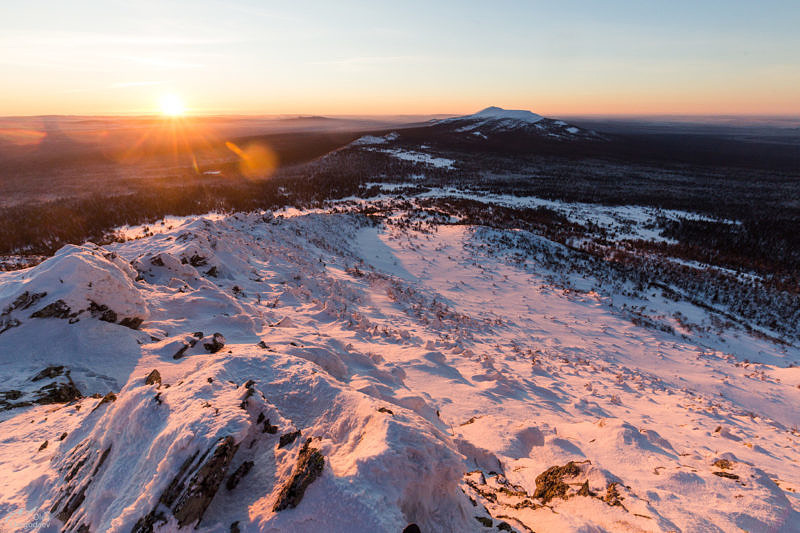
[(498, 113), (496, 120)]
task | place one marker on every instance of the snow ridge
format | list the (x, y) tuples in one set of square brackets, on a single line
[(438, 374)]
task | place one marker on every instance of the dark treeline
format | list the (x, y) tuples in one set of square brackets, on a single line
[(764, 239), (661, 149), (769, 245), (763, 206), (42, 228)]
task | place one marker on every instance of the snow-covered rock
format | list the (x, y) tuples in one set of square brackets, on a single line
[(370, 376), (83, 278)]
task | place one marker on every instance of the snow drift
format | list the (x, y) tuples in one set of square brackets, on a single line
[(329, 372)]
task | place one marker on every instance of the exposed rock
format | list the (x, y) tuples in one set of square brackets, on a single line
[(174, 490), (726, 475), (485, 522), (549, 483), (49, 372), (213, 272), (102, 460), (238, 474), (102, 312), (612, 496), (108, 398), (177, 483), (386, 410), (24, 301), (288, 438), (7, 323), (57, 309), (412, 528), (722, 464), (153, 378), (12, 394), (585, 490), (235, 527), (76, 482), (181, 352), (250, 386), (43, 446), (197, 260), (268, 428), (201, 489), (310, 465), (58, 393), (147, 523), (133, 322), (216, 343), (73, 502)]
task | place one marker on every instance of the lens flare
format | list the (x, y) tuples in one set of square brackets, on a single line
[(255, 160)]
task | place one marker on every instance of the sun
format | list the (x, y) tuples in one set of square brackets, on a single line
[(172, 105)]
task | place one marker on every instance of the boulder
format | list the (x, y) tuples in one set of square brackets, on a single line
[(216, 343), (153, 378)]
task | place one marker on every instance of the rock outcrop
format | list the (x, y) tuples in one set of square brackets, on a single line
[(310, 465)]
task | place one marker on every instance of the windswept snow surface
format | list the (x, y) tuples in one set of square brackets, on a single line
[(437, 374)]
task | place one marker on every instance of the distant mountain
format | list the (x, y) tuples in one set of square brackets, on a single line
[(495, 130), (494, 120), (498, 113)]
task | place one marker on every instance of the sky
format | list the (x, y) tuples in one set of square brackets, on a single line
[(400, 57)]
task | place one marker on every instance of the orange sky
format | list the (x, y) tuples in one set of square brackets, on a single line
[(576, 57)]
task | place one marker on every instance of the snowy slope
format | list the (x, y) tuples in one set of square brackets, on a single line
[(438, 377)]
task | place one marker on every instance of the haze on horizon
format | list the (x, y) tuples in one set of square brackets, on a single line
[(247, 57)]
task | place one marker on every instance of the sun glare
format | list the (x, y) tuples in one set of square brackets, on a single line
[(171, 105)]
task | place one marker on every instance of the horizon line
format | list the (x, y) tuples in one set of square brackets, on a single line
[(189, 115)]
